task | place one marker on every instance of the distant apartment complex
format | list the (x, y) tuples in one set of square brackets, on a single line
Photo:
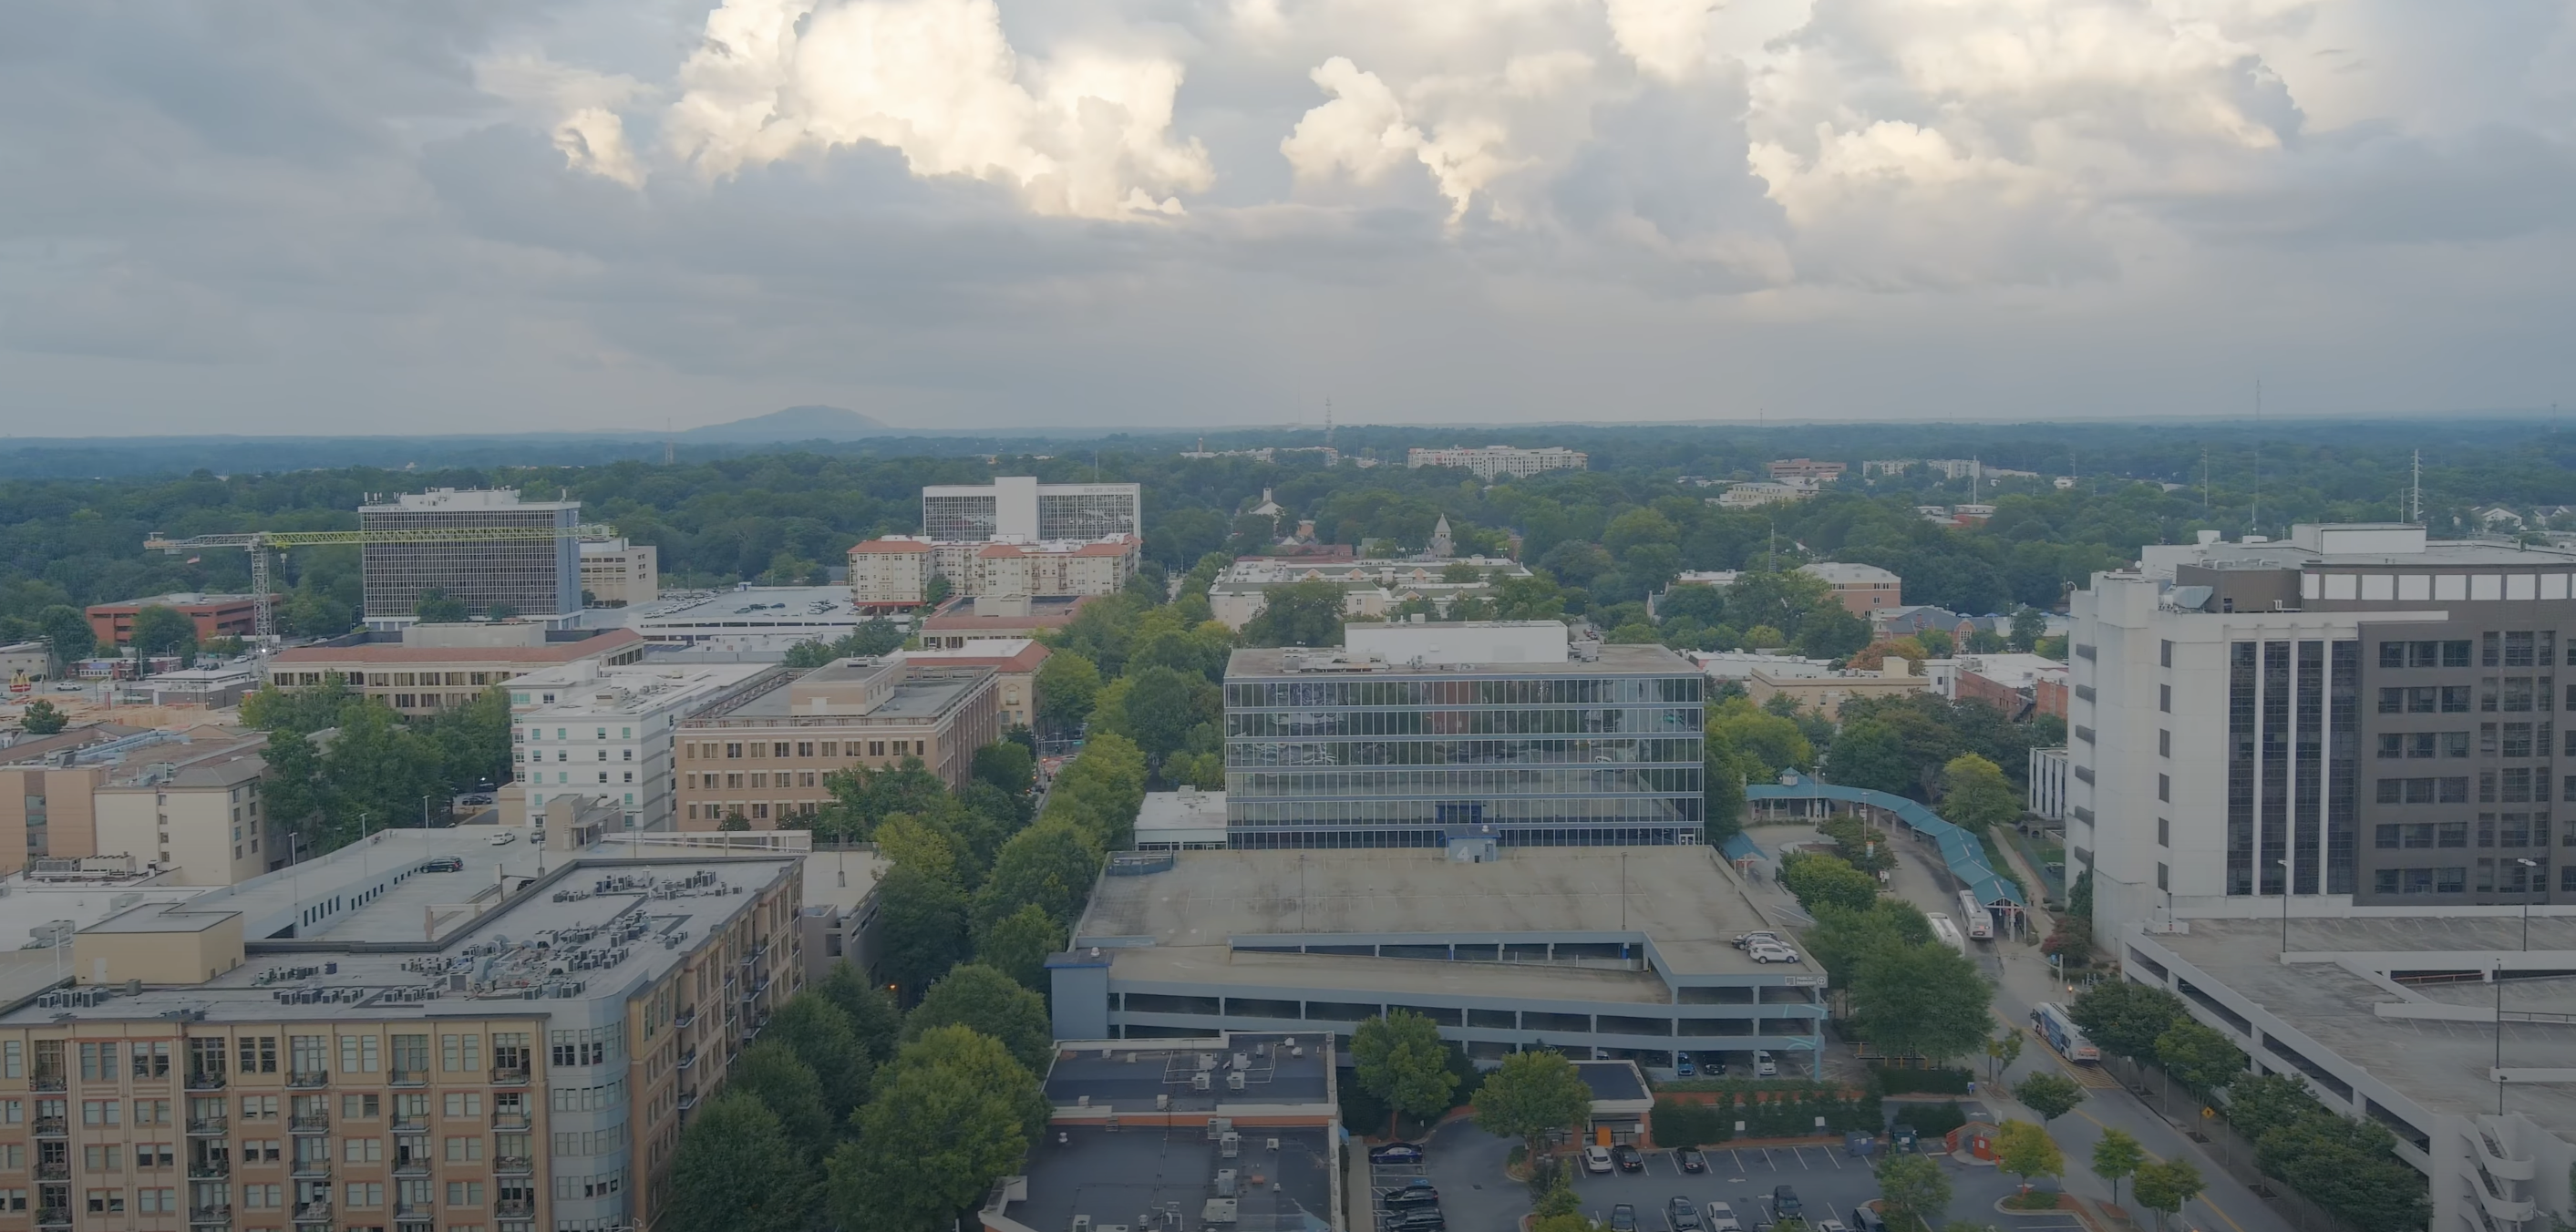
[(610, 733), (537, 578), (1500, 461), (615, 573), (428, 668), (1755, 494), (1003, 544), (1861, 589), (1370, 588), (1022, 509), (763, 756), (891, 571), (136, 801), (1806, 468), (1413, 735)]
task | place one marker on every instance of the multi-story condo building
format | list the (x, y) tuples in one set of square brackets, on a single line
[(1020, 508), (891, 571), (1500, 461), (429, 668), (1861, 589), (535, 578), (615, 573), (1413, 734), (610, 733), (764, 755), (1015, 662), (1023, 571), (182, 807), (368, 1041)]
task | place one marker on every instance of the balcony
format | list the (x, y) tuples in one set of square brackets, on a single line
[(687, 1017), (514, 1208), (54, 1217), (409, 1125), (688, 1059), (309, 1123), (688, 1098), (209, 1169), (59, 1170), (207, 1127), (510, 1122), (53, 1127), (311, 1170), (46, 1082), (417, 1165), (200, 1216), (408, 1078), (513, 1165), (212, 1081), (515, 1076), (411, 1212), (308, 1078), (313, 1212)]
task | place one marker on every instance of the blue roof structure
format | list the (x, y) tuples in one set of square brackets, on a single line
[(1959, 848)]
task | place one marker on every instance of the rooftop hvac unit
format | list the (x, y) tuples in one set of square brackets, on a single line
[(1198, 1082), (1207, 1061), (1234, 1081), (1130, 1057), (1082, 1101), (1217, 1210), (1229, 1145), (1082, 1223), (1225, 1182), (1163, 1102), (1291, 1041), (1296, 1052), (1274, 1144), (1242, 1062)]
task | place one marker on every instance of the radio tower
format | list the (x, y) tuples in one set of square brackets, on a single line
[(1328, 421), (2415, 490)]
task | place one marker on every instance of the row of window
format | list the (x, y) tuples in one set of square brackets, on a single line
[(2493, 877), (2511, 785), (2494, 740), (1417, 694), (2493, 830), (260, 1054), (563, 733), (2510, 694), (2519, 648), (758, 778), (1532, 751), (1469, 782), (737, 750), (756, 810), (1450, 724)]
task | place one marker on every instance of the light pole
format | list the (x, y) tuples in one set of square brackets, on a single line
[(2285, 907), (424, 811), (2528, 868), (2498, 979)]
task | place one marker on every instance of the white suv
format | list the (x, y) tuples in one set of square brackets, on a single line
[(1771, 952)]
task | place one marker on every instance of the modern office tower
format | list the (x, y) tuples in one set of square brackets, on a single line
[(1413, 735), (490, 1037), (1500, 461), (1020, 508), (2355, 716), (538, 579)]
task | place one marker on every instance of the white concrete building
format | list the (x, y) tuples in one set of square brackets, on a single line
[(608, 732), (616, 573), (2048, 783), (1019, 508), (1370, 588), (1500, 461), (1756, 494), (893, 570)]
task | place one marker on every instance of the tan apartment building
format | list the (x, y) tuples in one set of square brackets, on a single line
[(961, 621), (428, 668), (181, 801), (1014, 662), (615, 573), (317, 1051), (766, 757), (1826, 694), (893, 571), (1863, 590), (1029, 570)]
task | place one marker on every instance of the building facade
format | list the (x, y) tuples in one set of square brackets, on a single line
[(538, 578), (1501, 461), (214, 616), (1416, 732), (442, 667), (1861, 589), (1807, 468), (2355, 718), (1006, 571), (1015, 662), (1020, 508), (185, 804), (891, 571), (615, 573), (764, 757), (610, 733)]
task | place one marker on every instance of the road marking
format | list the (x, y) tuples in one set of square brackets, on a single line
[(2214, 1208), (1829, 1158), (1803, 1165)]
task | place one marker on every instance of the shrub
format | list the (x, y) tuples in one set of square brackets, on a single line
[(1944, 1081), (1932, 1120)]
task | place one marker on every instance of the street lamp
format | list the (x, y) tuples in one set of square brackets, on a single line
[(2285, 907), (2528, 868)]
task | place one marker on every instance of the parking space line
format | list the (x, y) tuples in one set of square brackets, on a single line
[(1831, 1159), (1801, 1153)]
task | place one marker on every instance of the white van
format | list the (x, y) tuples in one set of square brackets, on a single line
[(1764, 1066)]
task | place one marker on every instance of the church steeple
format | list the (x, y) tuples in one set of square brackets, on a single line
[(1441, 544)]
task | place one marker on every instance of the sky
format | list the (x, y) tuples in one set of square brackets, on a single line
[(308, 218)]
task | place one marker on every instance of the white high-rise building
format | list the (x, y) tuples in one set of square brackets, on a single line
[(607, 732), (1020, 509), (1494, 461)]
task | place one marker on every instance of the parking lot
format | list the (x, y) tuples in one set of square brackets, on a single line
[(1829, 1183)]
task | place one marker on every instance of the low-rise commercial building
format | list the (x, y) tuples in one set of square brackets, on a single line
[(1806, 468), (1861, 589), (1413, 732), (611, 733), (2010, 683), (1184, 819), (962, 621), (428, 668), (615, 573), (1015, 662), (1622, 954), (1370, 589), (214, 616), (763, 756), (1754, 495), (25, 662), (754, 620), (1501, 461), (1825, 694), (213, 686)]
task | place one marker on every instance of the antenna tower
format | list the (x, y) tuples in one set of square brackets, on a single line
[(1328, 421), (2257, 519), (2415, 490)]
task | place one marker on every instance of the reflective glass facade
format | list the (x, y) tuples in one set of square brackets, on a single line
[(1555, 755)]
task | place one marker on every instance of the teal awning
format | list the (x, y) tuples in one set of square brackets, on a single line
[(1959, 848)]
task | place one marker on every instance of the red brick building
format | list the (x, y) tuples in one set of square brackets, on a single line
[(215, 616)]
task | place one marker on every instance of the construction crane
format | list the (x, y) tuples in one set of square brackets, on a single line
[(260, 543)]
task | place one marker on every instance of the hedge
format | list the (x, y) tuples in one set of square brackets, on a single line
[(1894, 1080), (1932, 1120), (1783, 1114)]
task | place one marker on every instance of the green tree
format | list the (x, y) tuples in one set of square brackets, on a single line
[(2029, 624), (1922, 1000), (990, 1003), (912, 843), (1771, 743), (2002, 1051), (1533, 1094), (736, 1170), (2348, 1166), (2126, 1018), (2164, 1187), (2116, 1156), (820, 1036), (162, 630), (1158, 708), (1401, 1060), (2202, 1058), (1975, 794), (41, 718), (1305, 613), (921, 928), (1051, 864), (435, 608), (67, 633), (874, 1021), (953, 1113), (2050, 1095), (1005, 764), (1018, 945), (1913, 1190), (786, 1086), (1843, 938), (1066, 684), (1816, 880), (1830, 631), (1870, 754), (2026, 1151)]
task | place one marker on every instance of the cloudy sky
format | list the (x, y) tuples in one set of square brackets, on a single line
[(958, 213)]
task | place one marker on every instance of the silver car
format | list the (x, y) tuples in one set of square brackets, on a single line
[(1721, 1218)]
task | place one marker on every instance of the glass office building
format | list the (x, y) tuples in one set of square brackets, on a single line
[(1329, 749)]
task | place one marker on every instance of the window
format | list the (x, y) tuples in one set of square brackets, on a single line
[(2455, 790), (361, 1107), (2455, 699), (2450, 880), (2455, 744), (2518, 650), (2164, 787), (2388, 836), (2164, 743), (2164, 832), (100, 1111), (2451, 834), (365, 1193), (465, 1193), (362, 1150), (464, 1150), (2455, 653), (256, 1054), (358, 1054), (107, 1202), (2391, 654), (2163, 881), (460, 1053), (2392, 745), (152, 1058), (98, 1062), (463, 1104)]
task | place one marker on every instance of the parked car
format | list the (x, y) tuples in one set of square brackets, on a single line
[(1395, 1153), (1721, 1218), (1623, 1218), (1764, 1066), (1690, 1159), (1745, 939), (1784, 1202), (1682, 1067), (1831, 1225), (1766, 952), (1596, 1160), (1409, 1197), (1714, 1069), (1420, 1219), (1629, 1158), (1682, 1215), (444, 864), (1867, 1220)]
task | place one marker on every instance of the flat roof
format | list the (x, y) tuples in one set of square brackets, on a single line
[(1681, 898), (2442, 1065), (1116, 1176), (1045, 612), (1623, 660), (389, 653), (923, 693), (1279, 1069)]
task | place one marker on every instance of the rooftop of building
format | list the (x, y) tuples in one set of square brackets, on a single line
[(1681, 899), (753, 607), (84, 742), (1105, 546), (634, 688), (2011, 668), (1294, 663), (394, 654), (204, 763), (843, 877), (462, 499), (1115, 1176), (1045, 612), (176, 598), (893, 543), (1845, 572), (1008, 654), (922, 692), (1275, 570), (2334, 989), (1157, 1075), (1187, 808), (2390, 544)]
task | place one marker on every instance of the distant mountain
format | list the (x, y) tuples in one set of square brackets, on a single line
[(796, 423)]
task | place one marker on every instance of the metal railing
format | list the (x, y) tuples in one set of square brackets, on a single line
[(516, 1076), (52, 1127), (210, 1214), (513, 1165), (309, 1123), (510, 1121), (308, 1078), (209, 1169), (205, 1081), (61, 1171), (514, 1207), (48, 1082), (313, 1212), (203, 1127), (408, 1078)]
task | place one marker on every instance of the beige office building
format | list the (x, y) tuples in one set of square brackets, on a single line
[(429, 668), (615, 573), (766, 757)]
